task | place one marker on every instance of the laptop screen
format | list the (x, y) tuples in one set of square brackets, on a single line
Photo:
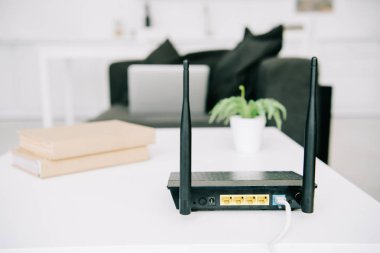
[(157, 89)]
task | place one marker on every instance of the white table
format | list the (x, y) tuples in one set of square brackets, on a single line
[(129, 209)]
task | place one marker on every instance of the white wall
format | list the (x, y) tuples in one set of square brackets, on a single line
[(347, 42)]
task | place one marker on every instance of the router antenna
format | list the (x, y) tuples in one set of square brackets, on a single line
[(308, 184), (185, 149)]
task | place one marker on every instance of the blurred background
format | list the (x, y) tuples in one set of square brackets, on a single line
[(64, 48)]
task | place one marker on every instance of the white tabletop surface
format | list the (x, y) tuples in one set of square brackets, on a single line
[(129, 207)]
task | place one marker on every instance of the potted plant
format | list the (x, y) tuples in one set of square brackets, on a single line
[(247, 118)]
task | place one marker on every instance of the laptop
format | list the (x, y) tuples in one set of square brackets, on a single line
[(157, 89)]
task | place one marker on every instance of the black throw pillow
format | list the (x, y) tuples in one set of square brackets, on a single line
[(164, 54), (274, 34), (233, 67)]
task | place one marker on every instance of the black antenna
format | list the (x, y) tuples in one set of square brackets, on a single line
[(308, 184), (185, 149)]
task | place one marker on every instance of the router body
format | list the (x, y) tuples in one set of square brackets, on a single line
[(244, 190), (248, 190)]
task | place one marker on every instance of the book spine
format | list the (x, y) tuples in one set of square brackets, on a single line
[(26, 164), (48, 168)]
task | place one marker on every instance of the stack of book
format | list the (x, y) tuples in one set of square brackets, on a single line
[(62, 150)]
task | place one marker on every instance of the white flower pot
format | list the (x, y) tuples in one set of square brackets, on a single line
[(247, 133)]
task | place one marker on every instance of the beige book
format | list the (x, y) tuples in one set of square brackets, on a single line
[(45, 168), (85, 139)]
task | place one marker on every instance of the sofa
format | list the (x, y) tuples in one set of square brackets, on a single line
[(284, 79)]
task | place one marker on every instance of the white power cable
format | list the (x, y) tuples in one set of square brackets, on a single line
[(281, 200)]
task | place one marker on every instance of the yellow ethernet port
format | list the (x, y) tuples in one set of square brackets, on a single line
[(244, 200), (250, 200), (238, 200), (225, 200), (263, 200)]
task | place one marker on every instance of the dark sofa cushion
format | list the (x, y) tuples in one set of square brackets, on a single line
[(231, 70), (288, 81), (118, 78), (164, 54)]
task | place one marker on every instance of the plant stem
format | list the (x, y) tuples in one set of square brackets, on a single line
[(242, 89)]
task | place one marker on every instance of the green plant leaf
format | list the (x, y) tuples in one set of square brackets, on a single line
[(260, 107), (282, 108), (253, 109), (267, 107), (277, 119)]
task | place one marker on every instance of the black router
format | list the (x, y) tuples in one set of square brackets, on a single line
[(248, 190)]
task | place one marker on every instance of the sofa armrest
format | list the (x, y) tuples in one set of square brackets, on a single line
[(324, 121), (118, 79)]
